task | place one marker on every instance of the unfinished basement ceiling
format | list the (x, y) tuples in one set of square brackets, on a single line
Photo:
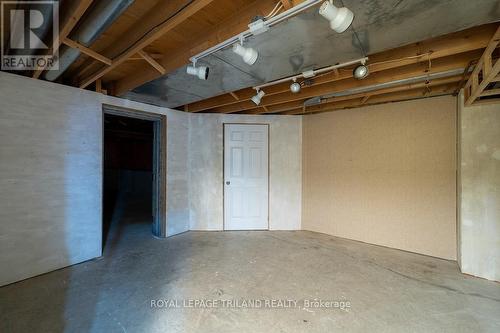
[(306, 41)]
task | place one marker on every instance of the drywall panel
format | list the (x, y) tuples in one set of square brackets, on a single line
[(384, 175), (51, 174), (206, 169), (479, 190)]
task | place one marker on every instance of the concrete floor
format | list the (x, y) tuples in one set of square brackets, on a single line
[(389, 290)]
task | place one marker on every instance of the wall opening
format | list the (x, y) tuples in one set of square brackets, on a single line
[(133, 174)]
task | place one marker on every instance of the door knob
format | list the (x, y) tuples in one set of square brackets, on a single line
[(228, 183)]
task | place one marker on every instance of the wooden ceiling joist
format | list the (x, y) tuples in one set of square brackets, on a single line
[(153, 35), (485, 72), (440, 47), (80, 7), (223, 30), (153, 17)]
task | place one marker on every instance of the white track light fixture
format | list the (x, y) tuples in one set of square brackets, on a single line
[(340, 18), (257, 98), (295, 87), (201, 71), (361, 72), (248, 54)]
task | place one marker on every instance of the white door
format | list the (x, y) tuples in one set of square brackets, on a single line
[(245, 177)]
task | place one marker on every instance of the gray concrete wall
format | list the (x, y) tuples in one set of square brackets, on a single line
[(479, 190), (206, 170), (51, 174)]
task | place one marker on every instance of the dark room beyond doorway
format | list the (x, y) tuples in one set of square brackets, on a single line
[(128, 175)]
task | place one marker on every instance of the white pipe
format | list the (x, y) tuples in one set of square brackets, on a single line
[(313, 73)]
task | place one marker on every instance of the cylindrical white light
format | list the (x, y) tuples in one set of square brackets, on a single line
[(295, 87), (257, 98), (340, 18), (248, 54), (201, 71)]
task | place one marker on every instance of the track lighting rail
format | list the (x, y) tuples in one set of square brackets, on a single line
[(248, 33), (313, 73)]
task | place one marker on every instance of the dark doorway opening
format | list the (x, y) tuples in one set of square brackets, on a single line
[(133, 174)]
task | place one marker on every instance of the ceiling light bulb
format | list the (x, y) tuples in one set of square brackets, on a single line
[(257, 98), (361, 72), (340, 18), (248, 54), (201, 71), (295, 88)]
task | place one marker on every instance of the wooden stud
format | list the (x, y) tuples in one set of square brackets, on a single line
[(234, 96), (87, 51), (98, 86)]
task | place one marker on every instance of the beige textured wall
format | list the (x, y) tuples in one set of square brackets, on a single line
[(479, 208), (384, 174)]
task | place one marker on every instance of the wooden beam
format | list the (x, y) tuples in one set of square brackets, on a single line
[(491, 92), (155, 16), (230, 27), (80, 7), (98, 86), (405, 72), (234, 96), (476, 85), (486, 101), (87, 51), (152, 62), (364, 97), (153, 35), (440, 47), (380, 99)]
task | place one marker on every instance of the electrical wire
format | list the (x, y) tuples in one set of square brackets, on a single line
[(399, 59), (275, 10)]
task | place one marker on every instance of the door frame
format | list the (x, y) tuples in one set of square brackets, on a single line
[(224, 172), (159, 226)]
